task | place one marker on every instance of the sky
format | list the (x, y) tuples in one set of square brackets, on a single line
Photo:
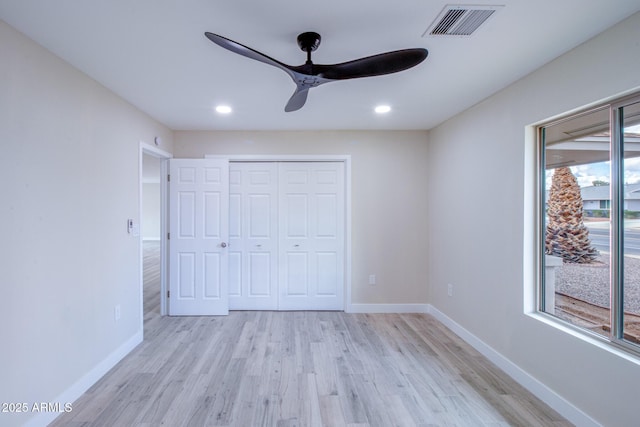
[(586, 174)]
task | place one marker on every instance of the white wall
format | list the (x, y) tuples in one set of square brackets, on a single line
[(150, 223), (69, 172), (389, 199), (150, 211), (480, 158)]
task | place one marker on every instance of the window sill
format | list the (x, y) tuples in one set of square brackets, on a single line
[(623, 351)]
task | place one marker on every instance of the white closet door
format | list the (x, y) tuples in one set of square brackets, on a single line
[(253, 255), (199, 230), (311, 230)]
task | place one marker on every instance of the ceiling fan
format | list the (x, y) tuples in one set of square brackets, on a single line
[(311, 75)]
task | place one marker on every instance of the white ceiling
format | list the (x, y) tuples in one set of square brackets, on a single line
[(153, 53)]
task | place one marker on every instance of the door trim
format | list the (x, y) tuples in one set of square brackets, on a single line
[(164, 199), (346, 158)]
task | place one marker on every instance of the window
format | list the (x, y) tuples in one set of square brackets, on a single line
[(589, 175)]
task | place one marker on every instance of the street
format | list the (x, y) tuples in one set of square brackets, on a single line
[(599, 235)]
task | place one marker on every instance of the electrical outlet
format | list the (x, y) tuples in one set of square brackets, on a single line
[(372, 279), (450, 289), (116, 312)]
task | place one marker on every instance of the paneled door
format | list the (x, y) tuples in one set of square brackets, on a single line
[(311, 235), (198, 236), (253, 236)]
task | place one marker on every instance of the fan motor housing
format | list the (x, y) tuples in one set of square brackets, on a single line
[(309, 41)]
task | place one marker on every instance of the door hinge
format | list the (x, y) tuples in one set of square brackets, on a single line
[(168, 178), (168, 294), (168, 236)]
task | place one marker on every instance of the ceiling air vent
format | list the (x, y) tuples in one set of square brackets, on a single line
[(460, 20)]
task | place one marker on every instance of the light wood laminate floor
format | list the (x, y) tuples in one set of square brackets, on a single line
[(303, 369)]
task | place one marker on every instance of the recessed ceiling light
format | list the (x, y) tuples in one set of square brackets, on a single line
[(381, 109), (223, 109)]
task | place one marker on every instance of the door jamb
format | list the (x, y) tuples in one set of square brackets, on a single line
[(164, 156), (346, 158)]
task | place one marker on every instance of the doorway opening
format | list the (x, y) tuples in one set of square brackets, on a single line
[(150, 236), (153, 206)]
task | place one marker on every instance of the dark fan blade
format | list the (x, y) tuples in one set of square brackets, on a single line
[(311, 75), (297, 100), (376, 65), (247, 51)]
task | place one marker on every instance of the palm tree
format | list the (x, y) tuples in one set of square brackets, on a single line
[(566, 235)]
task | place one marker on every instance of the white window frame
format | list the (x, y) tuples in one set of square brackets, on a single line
[(615, 339)]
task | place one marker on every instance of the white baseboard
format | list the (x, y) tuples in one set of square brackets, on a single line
[(544, 393), (89, 379), (387, 308)]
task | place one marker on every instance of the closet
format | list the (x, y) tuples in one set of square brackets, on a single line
[(286, 236), (275, 240)]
